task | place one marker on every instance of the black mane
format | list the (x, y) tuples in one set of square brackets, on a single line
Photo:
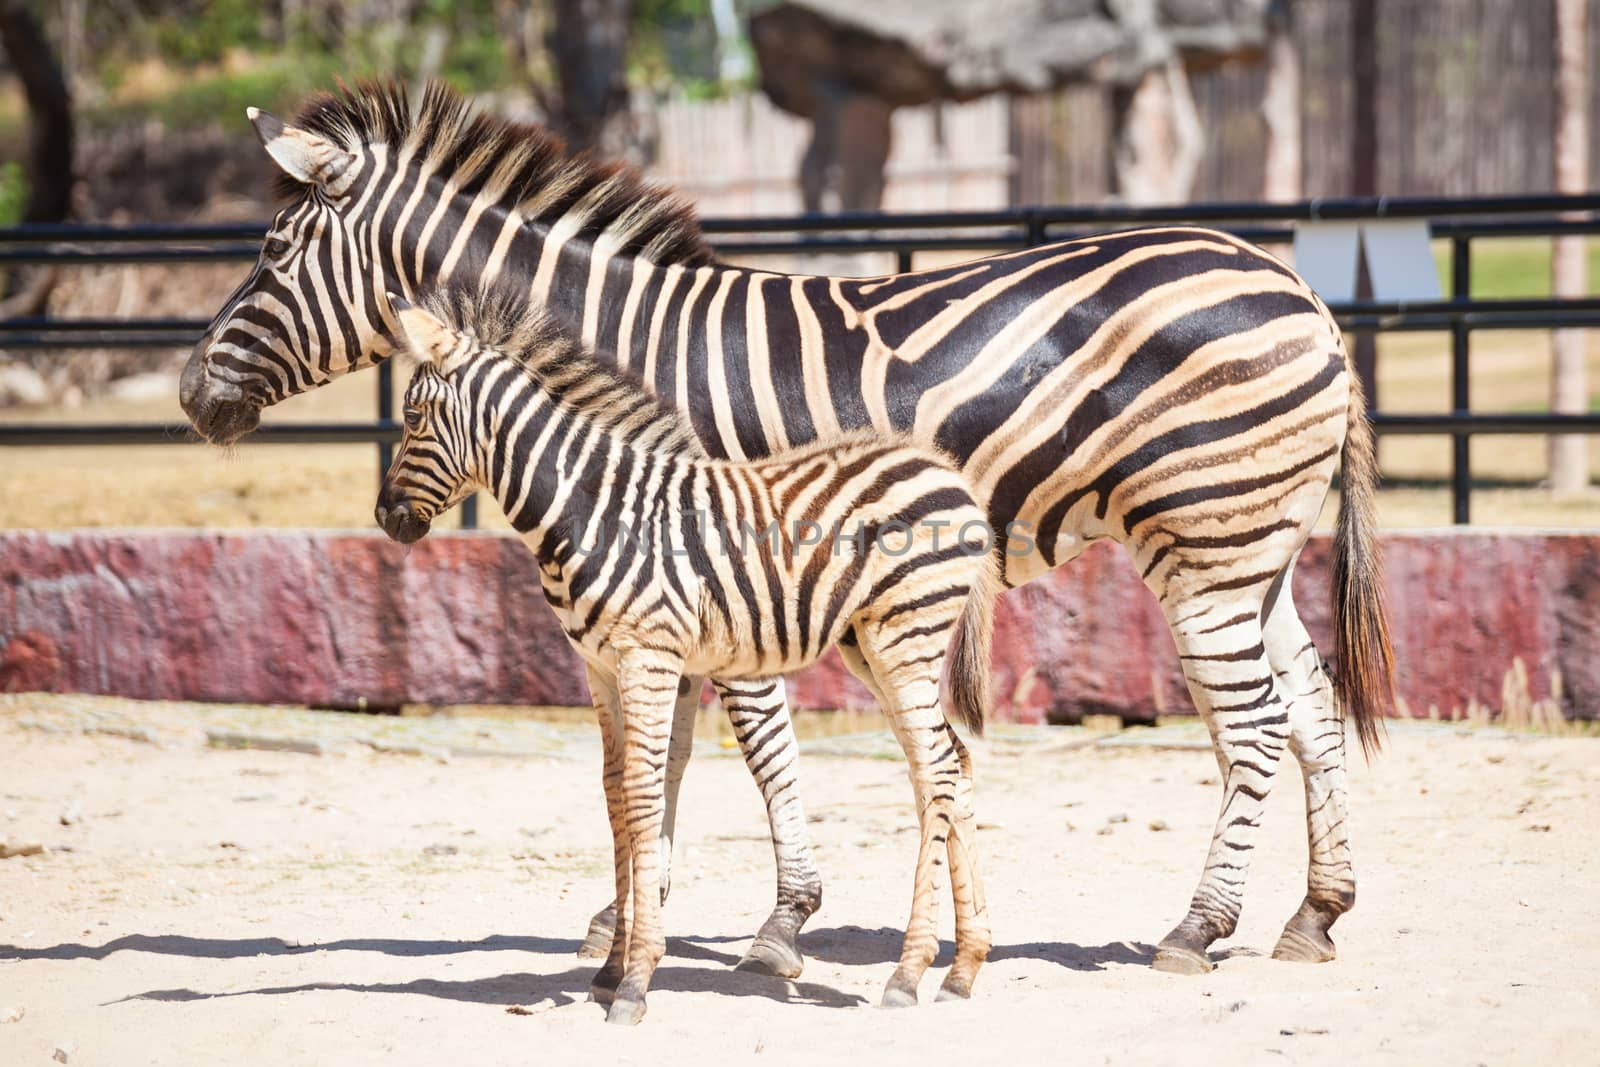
[(527, 167)]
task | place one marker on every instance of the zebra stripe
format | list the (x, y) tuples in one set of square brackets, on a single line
[(681, 592), (1173, 389)]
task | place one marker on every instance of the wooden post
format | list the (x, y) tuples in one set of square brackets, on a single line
[(1364, 163), (1280, 107), (1569, 267), (1159, 138)]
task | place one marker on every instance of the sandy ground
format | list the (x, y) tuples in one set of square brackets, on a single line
[(201, 905)]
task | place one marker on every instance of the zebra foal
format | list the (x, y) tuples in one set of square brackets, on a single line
[(660, 562)]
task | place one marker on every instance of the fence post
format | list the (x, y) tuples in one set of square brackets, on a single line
[(1460, 391), (1034, 233)]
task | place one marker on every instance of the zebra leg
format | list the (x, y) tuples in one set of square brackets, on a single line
[(1225, 663), (910, 691), (973, 940), (759, 712), (966, 886), (597, 942), (1316, 738), (648, 685), (609, 714)]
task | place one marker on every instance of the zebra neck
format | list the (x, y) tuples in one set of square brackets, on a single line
[(564, 470), (641, 317)]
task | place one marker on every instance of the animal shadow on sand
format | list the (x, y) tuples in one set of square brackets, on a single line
[(850, 946), (514, 988), (857, 946)]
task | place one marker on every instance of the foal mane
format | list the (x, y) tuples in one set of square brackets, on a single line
[(567, 371), (522, 167)]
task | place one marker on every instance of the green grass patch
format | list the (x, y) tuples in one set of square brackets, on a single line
[(1511, 268), (280, 81), (13, 192)]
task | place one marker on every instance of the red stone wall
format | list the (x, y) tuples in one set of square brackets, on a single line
[(335, 618)]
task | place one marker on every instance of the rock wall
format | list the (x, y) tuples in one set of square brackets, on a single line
[(338, 619)]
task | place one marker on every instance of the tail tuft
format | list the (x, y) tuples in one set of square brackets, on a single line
[(969, 654), (1363, 658)]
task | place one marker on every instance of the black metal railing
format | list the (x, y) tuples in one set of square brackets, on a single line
[(1459, 221)]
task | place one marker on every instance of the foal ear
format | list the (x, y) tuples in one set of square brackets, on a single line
[(306, 157), (423, 335)]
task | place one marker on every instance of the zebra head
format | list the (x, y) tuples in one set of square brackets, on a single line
[(435, 467), (308, 311)]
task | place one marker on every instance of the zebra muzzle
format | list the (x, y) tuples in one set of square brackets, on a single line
[(401, 523)]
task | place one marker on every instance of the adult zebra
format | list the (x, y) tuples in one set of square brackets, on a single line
[(1176, 390)]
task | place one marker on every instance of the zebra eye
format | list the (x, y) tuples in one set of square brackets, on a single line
[(275, 248), (413, 418)]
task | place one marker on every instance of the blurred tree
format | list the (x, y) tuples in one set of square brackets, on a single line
[(49, 168), (588, 44)]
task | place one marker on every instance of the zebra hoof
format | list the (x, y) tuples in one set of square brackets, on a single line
[(774, 958), (597, 942), (954, 990), (1177, 959), (896, 995), (625, 1012), (1303, 944)]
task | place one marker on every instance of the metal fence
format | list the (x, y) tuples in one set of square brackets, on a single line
[(1461, 222)]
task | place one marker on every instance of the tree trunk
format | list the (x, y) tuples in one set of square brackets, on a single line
[(1569, 268), (49, 114), (1280, 107), (49, 168), (589, 44)]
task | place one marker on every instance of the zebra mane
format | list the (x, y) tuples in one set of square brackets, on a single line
[(522, 166), (568, 372)]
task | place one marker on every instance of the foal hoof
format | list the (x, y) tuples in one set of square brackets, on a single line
[(1177, 959), (597, 942), (767, 956), (625, 1012), (1300, 944)]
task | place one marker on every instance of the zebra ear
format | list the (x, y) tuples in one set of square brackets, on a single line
[(423, 335), (305, 157)]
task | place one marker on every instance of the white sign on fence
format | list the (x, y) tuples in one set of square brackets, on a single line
[(1399, 259)]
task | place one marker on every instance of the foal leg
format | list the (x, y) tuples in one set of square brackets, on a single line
[(966, 886), (597, 942), (648, 685), (1316, 737), (973, 940), (759, 713), (1224, 660), (906, 668), (609, 714)]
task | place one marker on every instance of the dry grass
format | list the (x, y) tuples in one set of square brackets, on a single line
[(1518, 709)]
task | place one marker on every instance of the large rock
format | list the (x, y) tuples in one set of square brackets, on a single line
[(909, 52)]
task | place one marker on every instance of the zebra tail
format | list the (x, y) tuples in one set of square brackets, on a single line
[(1363, 658), (969, 654)]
